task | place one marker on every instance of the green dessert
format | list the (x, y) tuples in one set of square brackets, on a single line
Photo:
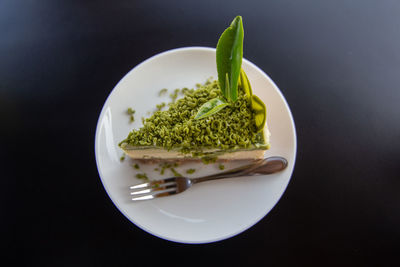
[(218, 119)]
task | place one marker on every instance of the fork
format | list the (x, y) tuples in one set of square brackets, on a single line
[(175, 185)]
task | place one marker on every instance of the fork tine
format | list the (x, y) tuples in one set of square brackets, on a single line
[(152, 183), (164, 193), (154, 188), (146, 197), (139, 186)]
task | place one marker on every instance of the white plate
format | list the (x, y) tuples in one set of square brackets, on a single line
[(209, 211)]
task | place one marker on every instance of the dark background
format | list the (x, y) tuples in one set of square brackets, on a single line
[(336, 62)]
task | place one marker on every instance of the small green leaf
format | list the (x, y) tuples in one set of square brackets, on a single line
[(211, 107), (229, 58), (245, 83), (260, 111)]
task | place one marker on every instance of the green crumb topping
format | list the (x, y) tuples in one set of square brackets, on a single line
[(174, 95), (176, 174), (164, 166), (221, 167), (156, 169), (142, 176), (167, 165), (160, 106), (162, 92), (209, 159), (185, 90), (136, 166), (122, 158), (190, 171), (130, 112), (231, 128)]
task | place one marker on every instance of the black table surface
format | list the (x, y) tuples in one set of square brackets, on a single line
[(336, 62)]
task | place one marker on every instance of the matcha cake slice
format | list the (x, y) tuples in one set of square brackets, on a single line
[(172, 134)]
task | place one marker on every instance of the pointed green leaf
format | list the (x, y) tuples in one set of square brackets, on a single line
[(245, 83), (260, 116), (211, 107), (227, 87), (229, 58)]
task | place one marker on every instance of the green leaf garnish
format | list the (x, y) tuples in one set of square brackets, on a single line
[(229, 58), (260, 112), (227, 88), (244, 83), (211, 107)]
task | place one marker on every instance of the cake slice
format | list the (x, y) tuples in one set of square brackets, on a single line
[(175, 133)]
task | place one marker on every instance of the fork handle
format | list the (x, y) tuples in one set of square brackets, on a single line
[(271, 165), (261, 167)]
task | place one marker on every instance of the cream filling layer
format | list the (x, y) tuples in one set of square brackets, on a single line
[(237, 154)]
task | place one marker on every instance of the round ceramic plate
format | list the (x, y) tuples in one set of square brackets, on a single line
[(210, 211)]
